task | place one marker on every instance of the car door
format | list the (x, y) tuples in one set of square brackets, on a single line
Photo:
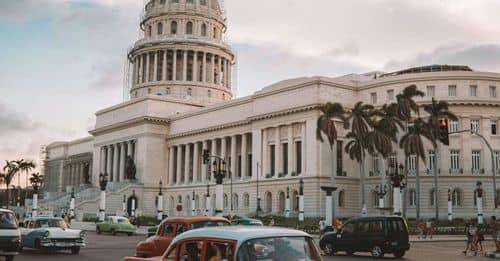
[(346, 237), (163, 241), (25, 232), (219, 250), (397, 232)]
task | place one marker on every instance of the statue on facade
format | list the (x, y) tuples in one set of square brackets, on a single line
[(103, 181), (86, 174), (130, 169)]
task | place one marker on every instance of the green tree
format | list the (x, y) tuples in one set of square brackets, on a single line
[(412, 144), (356, 150), (36, 181), (406, 102), (25, 166), (385, 126), (10, 170), (436, 111)]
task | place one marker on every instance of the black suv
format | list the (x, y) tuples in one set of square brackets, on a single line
[(378, 235)]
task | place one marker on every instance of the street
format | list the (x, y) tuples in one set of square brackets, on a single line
[(107, 247)]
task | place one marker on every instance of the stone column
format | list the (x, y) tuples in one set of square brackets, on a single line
[(115, 163), (171, 170), (155, 66), (196, 162), (291, 156), (223, 148), (213, 151), (212, 70), (174, 66), (233, 157), (220, 71), (304, 153), (139, 65), (186, 163), (195, 66), (129, 148), (204, 168), (229, 75), (244, 155), (122, 161), (204, 73), (278, 166), (179, 164), (109, 163), (164, 71), (147, 68), (184, 65), (265, 154), (102, 167)]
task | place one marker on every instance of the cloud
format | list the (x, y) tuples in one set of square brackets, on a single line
[(12, 120)]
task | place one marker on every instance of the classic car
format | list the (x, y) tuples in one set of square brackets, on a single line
[(240, 243), (51, 233), (10, 236), (114, 225), (170, 228), (247, 222)]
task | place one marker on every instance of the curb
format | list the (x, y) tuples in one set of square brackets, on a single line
[(494, 255)]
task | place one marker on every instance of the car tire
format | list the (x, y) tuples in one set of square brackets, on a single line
[(113, 232), (399, 254), (38, 244), (130, 234), (328, 249), (98, 230), (377, 252), (349, 252), (9, 258), (75, 250)]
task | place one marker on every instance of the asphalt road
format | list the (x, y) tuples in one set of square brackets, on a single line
[(110, 248)]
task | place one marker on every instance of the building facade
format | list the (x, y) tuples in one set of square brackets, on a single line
[(181, 103)]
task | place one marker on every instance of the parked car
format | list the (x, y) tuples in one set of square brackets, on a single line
[(378, 235), (51, 233), (240, 243), (170, 228), (115, 225), (246, 222), (10, 235)]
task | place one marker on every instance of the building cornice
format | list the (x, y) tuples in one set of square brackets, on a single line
[(128, 123), (144, 98)]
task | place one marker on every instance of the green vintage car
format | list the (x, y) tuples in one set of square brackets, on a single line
[(246, 222), (114, 225)]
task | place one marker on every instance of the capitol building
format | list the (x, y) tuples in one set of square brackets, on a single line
[(181, 103)]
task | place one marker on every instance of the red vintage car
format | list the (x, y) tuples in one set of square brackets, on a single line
[(170, 228)]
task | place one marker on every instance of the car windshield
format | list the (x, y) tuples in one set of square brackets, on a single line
[(279, 248), (209, 224), (122, 221), (7, 220), (52, 223)]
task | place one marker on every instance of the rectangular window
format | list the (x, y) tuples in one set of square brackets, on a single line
[(452, 90), (249, 165), (239, 166), (454, 160), (430, 91), (390, 95), (476, 161), (412, 162), (494, 125), (473, 90), (340, 167), (452, 126), (298, 159), (373, 96), (497, 160), (432, 155), (375, 164), (285, 158), (272, 152), (493, 91), (474, 126), (393, 161)]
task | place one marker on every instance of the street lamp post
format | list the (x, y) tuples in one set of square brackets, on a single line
[(479, 202), (220, 173), (124, 205), (72, 204), (287, 202), (301, 201), (329, 210), (381, 191), (450, 205), (398, 181), (132, 209), (207, 202), (103, 182), (160, 202), (258, 195), (193, 207)]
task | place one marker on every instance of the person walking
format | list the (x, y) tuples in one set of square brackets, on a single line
[(468, 234), (495, 230), (421, 230), (479, 239)]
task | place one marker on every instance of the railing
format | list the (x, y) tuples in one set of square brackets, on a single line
[(179, 38)]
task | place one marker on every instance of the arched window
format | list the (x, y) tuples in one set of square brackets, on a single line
[(168, 91), (413, 197), (189, 92), (223, 96), (135, 94), (173, 27), (235, 201), (225, 201), (203, 2), (269, 202), (189, 1), (162, 2), (375, 199), (341, 199), (281, 202), (179, 199), (160, 28), (215, 32), (432, 197), (475, 198), (197, 202), (150, 30), (209, 93), (456, 197), (189, 27), (175, 1), (171, 205), (246, 201), (203, 30), (149, 90)]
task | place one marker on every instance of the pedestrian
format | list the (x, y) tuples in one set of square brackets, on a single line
[(271, 223), (429, 229), (495, 232), (421, 230), (467, 230), (338, 224), (479, 239)]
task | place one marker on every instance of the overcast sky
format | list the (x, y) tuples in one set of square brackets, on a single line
[(62, 60)]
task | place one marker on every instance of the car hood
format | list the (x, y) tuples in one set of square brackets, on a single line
[(56, 232)]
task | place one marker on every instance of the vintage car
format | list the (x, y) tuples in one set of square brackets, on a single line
[(51, 233), (247, 222), (114, 225), (10, 236), (240, 243), (170, 228)]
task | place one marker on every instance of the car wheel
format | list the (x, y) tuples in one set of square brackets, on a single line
[(377, 252), (9, 258), (75, 250), (113, 232), (399, 254), (98, 230), (20, 248), (38, 245), (349, 252), (328, 249), (130, 234)]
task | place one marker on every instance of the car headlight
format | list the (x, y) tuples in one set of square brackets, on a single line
[(82, 234), (46, 234)]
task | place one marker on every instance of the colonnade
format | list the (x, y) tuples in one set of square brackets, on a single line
[(74, 173), (113, 158), (182, 65)]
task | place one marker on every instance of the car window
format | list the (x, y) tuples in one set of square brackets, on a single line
[(208, 224), (168, 230), (170, 256), (397, 226), (217, 251), (7, 220), (279, 248), (348, 228), (190, 251), (363, 227), (181, 228), (122, 221)]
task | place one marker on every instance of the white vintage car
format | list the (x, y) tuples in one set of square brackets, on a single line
[(51, 233)]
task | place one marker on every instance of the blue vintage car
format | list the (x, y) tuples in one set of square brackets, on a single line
[(51, 233)]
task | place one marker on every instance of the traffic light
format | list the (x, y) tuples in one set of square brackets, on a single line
[(443, 131), (206, 157)]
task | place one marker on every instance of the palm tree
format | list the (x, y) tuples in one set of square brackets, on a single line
[(331, 112), (406, 103), (412, 144), (26, 166), (436, 111), (36, 181), (11, 170), (356, 150), (385, 126)]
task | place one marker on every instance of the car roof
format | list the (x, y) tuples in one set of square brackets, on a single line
[(43, 218), (192, 219), (240, 233), (6, 210)]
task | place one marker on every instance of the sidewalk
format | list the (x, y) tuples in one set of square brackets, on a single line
[(90, 226)]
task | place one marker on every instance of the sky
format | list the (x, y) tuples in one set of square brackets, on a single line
[(62, 60)]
